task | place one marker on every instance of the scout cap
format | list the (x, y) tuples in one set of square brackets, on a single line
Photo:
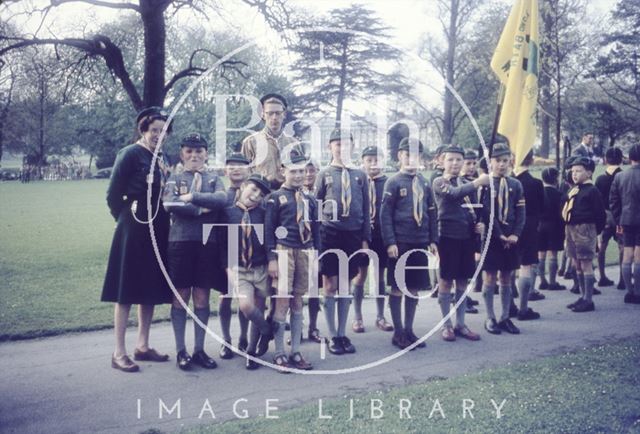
[(193, 140), (237, 157), (470, 155), (273, 97), (405, 144), (262, 182), (371, 151), (337, 135), (585, 162), (454, 149), (500, 150)]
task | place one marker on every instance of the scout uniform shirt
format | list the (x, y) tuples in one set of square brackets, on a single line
[(345, 192), (270, 165), (510, 211), (407, 214), (295, 211), (455, 198), (584, 205), (187, 218), (624, 197)]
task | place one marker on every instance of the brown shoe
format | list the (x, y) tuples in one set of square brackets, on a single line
[(150, 355), (464, 332), (383, 325), (448, 334), (281, 361), (297, 361), (400, 341), (124, 364), (358, 326)]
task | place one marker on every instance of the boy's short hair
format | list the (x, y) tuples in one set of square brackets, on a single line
[(550, 175), (613, 156), (634, 153)]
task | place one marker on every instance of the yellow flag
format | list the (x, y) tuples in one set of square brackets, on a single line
[(515, 62)]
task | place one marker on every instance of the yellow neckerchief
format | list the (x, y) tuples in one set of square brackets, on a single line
[(247, 245), (372, 196), (571, 196), (503, 199), (611, 169)]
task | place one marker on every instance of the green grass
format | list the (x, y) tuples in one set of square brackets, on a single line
[(594, 390), (54, 242)]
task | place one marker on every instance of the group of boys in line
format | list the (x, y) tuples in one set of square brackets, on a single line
[(285, 206)]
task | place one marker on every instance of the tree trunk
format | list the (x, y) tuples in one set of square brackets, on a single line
[(41, 120), (152, 14), (447, 127)]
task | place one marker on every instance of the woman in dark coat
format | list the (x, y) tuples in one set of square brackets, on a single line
[(133, 274)]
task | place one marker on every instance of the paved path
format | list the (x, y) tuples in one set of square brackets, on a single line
[(65, 384)]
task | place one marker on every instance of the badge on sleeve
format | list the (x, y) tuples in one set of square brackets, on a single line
[(328, 179), (403, 192), (282, 199), (184, 189)]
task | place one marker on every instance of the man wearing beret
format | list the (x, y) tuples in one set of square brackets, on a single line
[(263, 148)]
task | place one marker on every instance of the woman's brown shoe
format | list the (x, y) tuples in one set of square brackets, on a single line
[(124, 363), (150, 355)]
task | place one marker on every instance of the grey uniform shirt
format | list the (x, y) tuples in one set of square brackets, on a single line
[(624, 197), (456, 218), (187, 218)]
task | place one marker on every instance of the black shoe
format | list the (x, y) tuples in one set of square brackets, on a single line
[(631, 298), (621, 285), (528, 315), (508, 327), (574, 304), (472, 302), (412, 338), (575, 289), (584, 306), (242, 345), (544, 285), (434, 294), (400, 340), (491, 326), (250, 364), (471, 309), (570, 274), (201, 358), (605, 282), (596, 291), (556, 287), (335, 347), (513, 310), (535, 296), (347, 345), (183, 360), (287, 326), (263, 344), (226, 352)]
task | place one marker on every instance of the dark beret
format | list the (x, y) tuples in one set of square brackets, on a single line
[(370, 150), (337, 135), (262, 182), (500, 150), (470, 155), (237, 157), (585, 162), (194, 140), (454, 149), (405, 144)]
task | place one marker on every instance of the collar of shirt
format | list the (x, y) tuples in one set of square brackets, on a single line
[(611, 169), (267, 133), (520, 170)]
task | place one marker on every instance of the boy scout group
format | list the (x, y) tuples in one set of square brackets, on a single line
[(339, 208)]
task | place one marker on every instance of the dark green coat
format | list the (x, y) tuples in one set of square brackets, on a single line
[(133, 274)]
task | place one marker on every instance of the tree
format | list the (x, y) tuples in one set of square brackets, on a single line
[(152, 15), (333, 66), (617, 70)]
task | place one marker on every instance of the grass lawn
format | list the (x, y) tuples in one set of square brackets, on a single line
[(54, 242), (594, 390)]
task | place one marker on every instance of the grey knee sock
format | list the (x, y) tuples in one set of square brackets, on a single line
[(381, 291), (581, 282), (541, 267), (534, 275), (505, 301), (627, 276), (279, 336), (487, 294), (257, 317), (202, 313), (314, 308), (224, 311), (344, 303), (244, 325), (589, 281), (460, 311), (358, 296), (410, 305), (395, 307), (553, 270), (296, 331), (254, 335), (525, 284), (444, 300), (330, 315), (179, 324), (636, 278)]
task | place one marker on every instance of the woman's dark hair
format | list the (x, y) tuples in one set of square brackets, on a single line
[(145, 122), (550, 176)]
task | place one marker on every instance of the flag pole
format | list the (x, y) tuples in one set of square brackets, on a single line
[(494, 131)]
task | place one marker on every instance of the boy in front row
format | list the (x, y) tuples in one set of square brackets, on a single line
[(501, 259), (458, 227), (408, 222), (291, 230), (585, 217)]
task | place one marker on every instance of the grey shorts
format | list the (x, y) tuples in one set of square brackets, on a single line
[(251, 282), (581, 241)]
